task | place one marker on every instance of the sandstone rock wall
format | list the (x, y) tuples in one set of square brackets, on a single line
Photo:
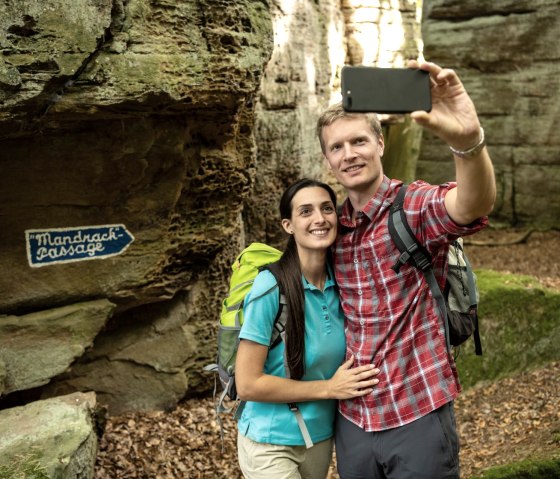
[(507, 53), (312, 42), (136, 113), (144, 114)]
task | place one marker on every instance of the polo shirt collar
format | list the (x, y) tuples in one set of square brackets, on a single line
[(329, 282)]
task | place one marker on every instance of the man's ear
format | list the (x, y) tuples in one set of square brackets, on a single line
[(327, 164), (381, 143), (287, 225)]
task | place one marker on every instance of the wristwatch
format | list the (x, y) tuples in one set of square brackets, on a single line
[(473, 151)]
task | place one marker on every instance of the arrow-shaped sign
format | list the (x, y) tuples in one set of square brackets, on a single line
[(66, 245)]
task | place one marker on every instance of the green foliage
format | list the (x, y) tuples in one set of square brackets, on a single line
[(23, 467), (531, 469), (519, 324)]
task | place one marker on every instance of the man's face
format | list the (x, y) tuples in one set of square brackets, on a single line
[(353, 153)]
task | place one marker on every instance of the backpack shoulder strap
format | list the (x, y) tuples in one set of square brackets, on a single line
[(279, 325), (413, 252)]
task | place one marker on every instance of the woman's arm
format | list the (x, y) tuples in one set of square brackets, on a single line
[(254, 385)]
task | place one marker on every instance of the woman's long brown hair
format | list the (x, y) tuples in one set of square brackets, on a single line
[(290, 282)]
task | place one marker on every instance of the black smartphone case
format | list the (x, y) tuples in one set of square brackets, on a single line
[(385, 90)]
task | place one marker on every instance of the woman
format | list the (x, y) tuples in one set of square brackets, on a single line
[(270, 442)]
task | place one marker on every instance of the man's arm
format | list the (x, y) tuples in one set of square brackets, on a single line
[(453, 118), (476, 189)]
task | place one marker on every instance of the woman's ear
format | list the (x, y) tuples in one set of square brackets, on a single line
[(287, 226)]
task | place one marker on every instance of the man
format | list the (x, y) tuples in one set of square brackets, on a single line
[(406, 427)]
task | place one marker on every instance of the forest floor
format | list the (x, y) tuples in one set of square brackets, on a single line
[(498, 423)]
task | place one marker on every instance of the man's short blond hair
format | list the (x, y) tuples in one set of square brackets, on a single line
[(336, 112)]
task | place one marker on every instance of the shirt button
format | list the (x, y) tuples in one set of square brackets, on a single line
[(355, 260), (362, 322), (360, 292)]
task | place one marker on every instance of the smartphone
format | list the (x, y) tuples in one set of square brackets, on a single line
[(385, 90)]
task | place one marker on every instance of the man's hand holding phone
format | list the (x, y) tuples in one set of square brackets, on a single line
[(453, 116), (435, 97)]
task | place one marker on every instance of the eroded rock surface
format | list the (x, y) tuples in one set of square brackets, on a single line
[(134, 113)]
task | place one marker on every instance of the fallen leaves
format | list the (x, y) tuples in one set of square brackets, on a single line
[(509, 420), (183, 443)]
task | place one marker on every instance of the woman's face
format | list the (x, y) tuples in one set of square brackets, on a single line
[(313, 222)]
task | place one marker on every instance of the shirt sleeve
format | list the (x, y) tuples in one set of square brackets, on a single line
[(259, 311), (429, 217)]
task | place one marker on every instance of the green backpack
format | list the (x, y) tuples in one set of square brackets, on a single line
[(244, 271), (253, 259)]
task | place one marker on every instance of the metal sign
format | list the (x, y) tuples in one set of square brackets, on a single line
[(66, 245)]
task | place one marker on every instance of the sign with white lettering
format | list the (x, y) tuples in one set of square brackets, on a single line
[(67, 245)]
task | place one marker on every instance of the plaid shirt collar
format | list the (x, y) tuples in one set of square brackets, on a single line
[(382, 197)]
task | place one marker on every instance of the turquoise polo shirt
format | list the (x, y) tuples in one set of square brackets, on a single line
[(325, 347)]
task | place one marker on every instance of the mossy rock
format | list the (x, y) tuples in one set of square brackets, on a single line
[(530, 469), (519, 325), (23, 467)]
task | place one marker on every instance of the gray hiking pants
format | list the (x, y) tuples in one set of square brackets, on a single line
[(427, 448)]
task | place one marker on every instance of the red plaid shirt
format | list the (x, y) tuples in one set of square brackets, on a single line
[(391, 319)]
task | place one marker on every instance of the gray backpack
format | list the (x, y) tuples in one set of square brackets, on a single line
[(458, 303)]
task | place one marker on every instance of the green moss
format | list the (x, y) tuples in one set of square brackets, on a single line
[(519, 324), (530, 469), (23, 467)]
